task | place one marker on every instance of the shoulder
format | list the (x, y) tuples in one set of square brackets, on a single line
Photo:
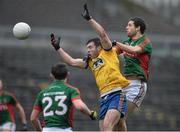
[(145, 41), (72, 88), (6, 93)]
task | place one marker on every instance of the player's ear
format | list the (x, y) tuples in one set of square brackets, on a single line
[(51, 76), (138, 28)]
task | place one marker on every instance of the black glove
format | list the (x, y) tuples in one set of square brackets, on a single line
[(25, 128), (114, 42), (55, 43), (85, 13), (93, 115)]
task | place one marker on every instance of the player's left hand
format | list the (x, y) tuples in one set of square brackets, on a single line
[(85, 13), (93, 115), (114, 42)]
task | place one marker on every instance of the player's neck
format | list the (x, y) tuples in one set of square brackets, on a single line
[(137, 36)]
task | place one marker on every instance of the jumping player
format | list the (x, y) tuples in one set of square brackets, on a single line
[(102, 60)]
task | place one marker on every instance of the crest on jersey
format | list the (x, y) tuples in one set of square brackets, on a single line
[(99, 62)]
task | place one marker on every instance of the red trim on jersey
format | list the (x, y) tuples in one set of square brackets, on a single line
[(75, 89), (73, 99), (11, 112), (144, 59), (70, 118), (146, 41), (36, 107)]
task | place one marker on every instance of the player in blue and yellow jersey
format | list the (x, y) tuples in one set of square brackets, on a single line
[(137, 54), (103, 62), (57, 102), (7, 103)]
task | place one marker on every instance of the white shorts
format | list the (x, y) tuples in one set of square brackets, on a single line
[(8, 126), (55, 129), (136, 91)]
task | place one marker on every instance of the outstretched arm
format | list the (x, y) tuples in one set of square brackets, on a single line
[(22, 115), (129, 49), (65, 56), (106, 42), (81, 106)]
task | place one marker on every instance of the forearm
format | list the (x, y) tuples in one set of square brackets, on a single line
[(22, 114), (81, 106), (84, 109), (65, 56), (97, 27), (105, 41), (129, 49)]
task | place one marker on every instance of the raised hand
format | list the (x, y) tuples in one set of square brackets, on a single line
[(55, 43), (85, 13)]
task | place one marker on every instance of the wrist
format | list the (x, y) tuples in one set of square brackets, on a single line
[(114, 42)]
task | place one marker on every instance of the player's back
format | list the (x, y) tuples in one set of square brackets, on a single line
[(57, 105)]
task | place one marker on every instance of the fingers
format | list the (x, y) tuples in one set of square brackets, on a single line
[(86, 8), (52, 38)]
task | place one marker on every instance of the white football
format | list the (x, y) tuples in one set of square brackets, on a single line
[(21, 30)]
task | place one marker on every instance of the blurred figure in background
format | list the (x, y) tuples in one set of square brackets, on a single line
[(57, 101), (7, 102)]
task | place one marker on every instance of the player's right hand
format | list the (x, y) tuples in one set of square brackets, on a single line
[(93, 115), (85, 13), (55, 43)]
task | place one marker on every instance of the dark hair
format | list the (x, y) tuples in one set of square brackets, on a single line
[(59, 71), (96, 41), (139, 22)]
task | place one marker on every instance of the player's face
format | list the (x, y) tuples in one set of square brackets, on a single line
[(92, 50), (131, 30)]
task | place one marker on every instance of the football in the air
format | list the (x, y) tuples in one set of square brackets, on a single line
[(21, 30)]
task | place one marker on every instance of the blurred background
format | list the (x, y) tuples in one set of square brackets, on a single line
[(25, 64)]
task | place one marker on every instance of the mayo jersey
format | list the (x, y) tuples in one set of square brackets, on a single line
[(56, 104), (7, 102), (106, 71), (138, 64)]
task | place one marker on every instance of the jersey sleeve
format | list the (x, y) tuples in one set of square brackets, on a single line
[(13, 99), (75, 94), (146, 45), (38, 104)]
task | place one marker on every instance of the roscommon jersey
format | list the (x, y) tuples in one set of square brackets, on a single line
[(56, 103), (7, 102), (106, 71)]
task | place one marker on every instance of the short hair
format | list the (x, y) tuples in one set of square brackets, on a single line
[(96, 41), (59, 71), (139, 22)]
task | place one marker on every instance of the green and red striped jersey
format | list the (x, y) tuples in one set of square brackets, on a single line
[(7, 102), (56, 103), (138, 64)]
